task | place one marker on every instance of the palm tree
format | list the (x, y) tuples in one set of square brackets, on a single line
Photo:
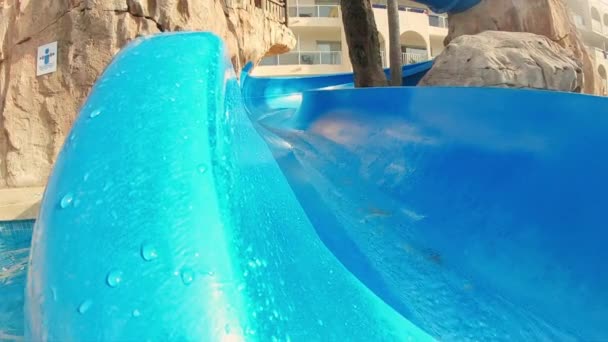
[(394, 43), (363, 43)]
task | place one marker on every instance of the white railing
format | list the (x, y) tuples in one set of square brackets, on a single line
[(315, 11), (596, 25), (438, 21), (406, 58), (601, 53), (411, 58), (305, 58), (382, 4)]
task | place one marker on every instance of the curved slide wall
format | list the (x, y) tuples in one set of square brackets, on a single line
[(476, 213), (167, 218), (374, 215)]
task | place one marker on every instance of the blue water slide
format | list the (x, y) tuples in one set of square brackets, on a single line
[(184, 207), (453, 6), (166, 218), (269, 93)]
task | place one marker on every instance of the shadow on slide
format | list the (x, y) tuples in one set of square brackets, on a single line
[(184, 207)]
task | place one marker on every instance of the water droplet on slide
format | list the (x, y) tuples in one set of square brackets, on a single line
[(84, 306), (187, 276), (107, 185), (148, 252), (136, 313), (114, 278), (66, 200), (95, 113)]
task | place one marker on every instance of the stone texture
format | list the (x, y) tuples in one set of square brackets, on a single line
[(506, 59), (544, 17), (36, 112)]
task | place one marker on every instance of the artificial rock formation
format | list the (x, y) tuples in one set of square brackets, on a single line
[(37, 112), (548, 18), (506, 59)]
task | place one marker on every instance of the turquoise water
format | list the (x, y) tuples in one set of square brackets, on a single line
[(15, 238)]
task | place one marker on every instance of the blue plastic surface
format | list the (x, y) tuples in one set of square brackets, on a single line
[(266, 94), (476, 213), (167, 218), (179, 210), (453, 6)]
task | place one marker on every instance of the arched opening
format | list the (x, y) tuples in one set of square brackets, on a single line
[(606, 19), (596, 20), (413, 47), (595, 14), (383, 52), (604, 79)]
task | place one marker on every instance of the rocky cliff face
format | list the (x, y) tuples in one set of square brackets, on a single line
[(506, 59), (548, 18), (36, 112)]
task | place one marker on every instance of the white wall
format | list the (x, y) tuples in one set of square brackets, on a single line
[(308, 38), (436, 46)]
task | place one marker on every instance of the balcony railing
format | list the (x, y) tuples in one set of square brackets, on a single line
[(601, 54), (411, 58), (305, 58), (315, 11), (406, 58), (382, 4), (438, 21)]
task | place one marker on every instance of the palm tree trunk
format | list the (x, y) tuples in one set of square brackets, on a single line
[(394, 43), (363, 43)]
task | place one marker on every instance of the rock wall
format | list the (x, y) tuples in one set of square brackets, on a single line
[(506, 59), (548, 18), (37, 112)]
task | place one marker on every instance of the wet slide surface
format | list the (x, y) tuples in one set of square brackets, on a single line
[(182, 209)]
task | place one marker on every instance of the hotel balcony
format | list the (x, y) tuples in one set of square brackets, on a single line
[(314, 16), (596, 26), (304, 58), (406, 58), (303, 62), (438, 25), (599, 56)]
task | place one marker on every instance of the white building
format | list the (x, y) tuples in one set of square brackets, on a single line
[(322, 47), (591, 19)]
